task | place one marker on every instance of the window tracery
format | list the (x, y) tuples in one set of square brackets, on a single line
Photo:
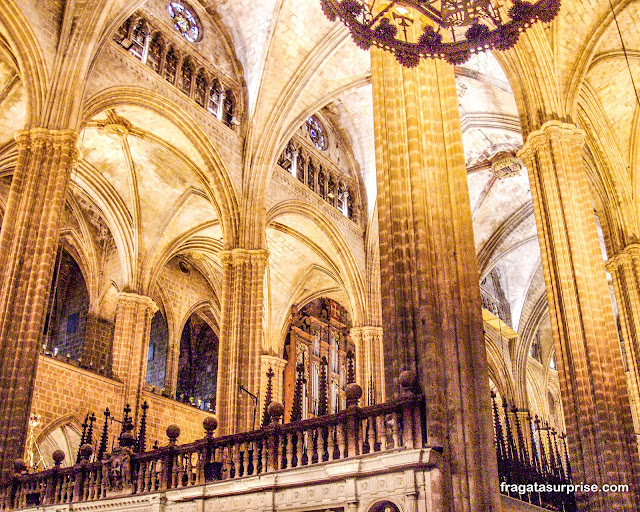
[(139, 36), (186, 72), (200, 92), (215, 94), (136, 36), (171, 66), (317, 166), (317, 133), (154, 55), (227, 115), (185, 21)]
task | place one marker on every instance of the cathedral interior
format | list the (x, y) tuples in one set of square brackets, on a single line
[(214, 205)]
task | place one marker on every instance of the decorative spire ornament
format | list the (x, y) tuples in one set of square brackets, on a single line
[(268, 398), (102, 449), (296, 407), (141, 442)]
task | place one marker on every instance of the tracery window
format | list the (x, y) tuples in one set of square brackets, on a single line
[(227, 116), (201, 88), (331, 191), (288, 158), (186, 72), (340, 198), (317, 133), (311, 171), (185, 21), (214, 97), (300, 162), (171, 66), (134, 35), (321, 188), (154, 54), (139, 40)]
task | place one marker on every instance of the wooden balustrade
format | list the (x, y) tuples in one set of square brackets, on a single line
[(349, 433)]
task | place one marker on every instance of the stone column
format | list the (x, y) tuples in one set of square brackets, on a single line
[(131, 345), (625, 270), (430, 294), (28, 245), (369, 363), (240, 338), (592, 381)]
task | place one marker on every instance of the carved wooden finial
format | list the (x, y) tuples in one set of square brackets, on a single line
[(268, 398)]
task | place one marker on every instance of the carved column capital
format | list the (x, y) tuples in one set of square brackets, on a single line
[(42, 137), (549, 132), (277, 363), (133, 299), (235, 256), (623, 256)]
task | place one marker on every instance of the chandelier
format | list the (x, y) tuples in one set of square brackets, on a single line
[(446, 29)]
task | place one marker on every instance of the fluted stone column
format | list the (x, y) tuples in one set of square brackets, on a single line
[(430, 294), (240, 337), (131, 345), (625, 271), (369, 363), (592, 382), (28, 245)]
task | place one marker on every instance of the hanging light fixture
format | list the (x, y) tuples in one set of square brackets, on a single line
[(447, 29)]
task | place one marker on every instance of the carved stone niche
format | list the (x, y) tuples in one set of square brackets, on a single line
[(118, 470)]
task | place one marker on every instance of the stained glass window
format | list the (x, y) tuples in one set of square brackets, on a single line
[(214, 97), (201, 86), (185, 21), (170, 66), (317, 133), (186, 73), (155, 53)]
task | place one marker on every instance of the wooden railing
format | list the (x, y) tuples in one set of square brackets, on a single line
[(349, 433)]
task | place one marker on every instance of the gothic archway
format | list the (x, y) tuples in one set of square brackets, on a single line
[(158, 351), (198, 364), (66, 321)]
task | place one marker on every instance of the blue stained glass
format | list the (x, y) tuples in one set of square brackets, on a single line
[(185, 21), (316, 133)]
